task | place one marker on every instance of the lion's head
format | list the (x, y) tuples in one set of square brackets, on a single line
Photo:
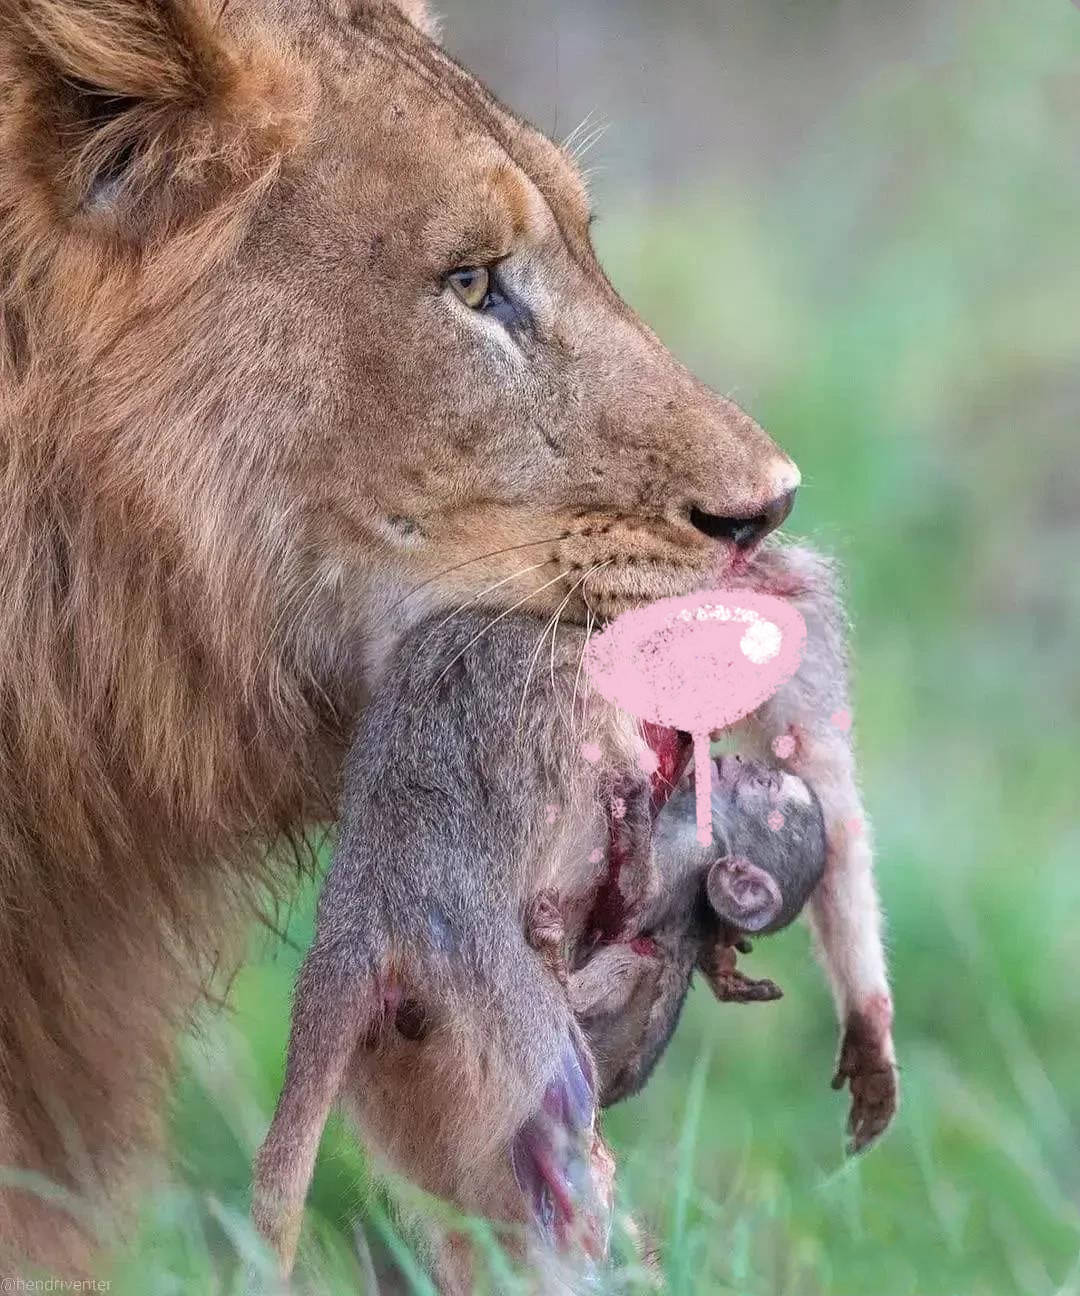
[(333, 316)]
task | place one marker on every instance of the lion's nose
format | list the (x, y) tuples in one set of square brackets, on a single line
[(744, 531)]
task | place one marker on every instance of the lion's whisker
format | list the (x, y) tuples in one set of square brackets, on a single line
[(522, 571), (494, 553), (552, 622), (534, 658), (494, 621), (558, 613), (589, 622)]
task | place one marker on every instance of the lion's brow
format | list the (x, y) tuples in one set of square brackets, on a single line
[(392, 39)]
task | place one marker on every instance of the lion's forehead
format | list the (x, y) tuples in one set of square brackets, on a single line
[(419, 115)]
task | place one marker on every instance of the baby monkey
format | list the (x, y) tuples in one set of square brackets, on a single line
[(505, 939), (699, 907)]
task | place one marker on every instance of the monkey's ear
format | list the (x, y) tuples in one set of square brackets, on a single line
[(115, 98), (744, 895)]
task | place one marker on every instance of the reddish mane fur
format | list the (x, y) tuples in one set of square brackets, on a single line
[(157, 731)]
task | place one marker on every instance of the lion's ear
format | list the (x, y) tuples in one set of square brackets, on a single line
[(111, 99), (419, 15)]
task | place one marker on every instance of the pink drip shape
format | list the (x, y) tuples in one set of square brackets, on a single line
[(698, 663)]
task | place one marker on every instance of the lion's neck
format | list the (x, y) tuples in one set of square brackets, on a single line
[(156, 737)]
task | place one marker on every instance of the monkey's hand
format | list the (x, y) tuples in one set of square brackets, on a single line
[(729, 984), (545, 933), (868, 1065)]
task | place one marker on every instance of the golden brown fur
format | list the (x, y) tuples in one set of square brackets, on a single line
[(246, 436)]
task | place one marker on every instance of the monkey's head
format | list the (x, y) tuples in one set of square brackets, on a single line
[(773, 838)]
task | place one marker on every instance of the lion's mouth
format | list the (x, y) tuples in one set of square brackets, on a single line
[(614, 564), (629, 580), (609, 593)]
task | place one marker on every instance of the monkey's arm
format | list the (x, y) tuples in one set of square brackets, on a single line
[(627, 997), (332, 1011), (806, 726)]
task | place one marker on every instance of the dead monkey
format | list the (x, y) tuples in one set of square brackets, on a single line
[(386, 933), (805, 728), (422, 1003)]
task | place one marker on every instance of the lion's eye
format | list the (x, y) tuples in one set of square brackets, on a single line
[(482, 290), (472, 284)]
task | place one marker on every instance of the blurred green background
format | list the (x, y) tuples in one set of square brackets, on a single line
[(863, 220)]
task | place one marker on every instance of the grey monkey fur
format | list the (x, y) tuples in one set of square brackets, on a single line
[(423, 1005)]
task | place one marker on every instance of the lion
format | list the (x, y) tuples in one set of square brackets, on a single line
[(302, 337)]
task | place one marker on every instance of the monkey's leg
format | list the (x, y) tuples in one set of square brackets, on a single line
[(628, 998), (806, 727), (333, 1009), (559, 1161), (609, 983)]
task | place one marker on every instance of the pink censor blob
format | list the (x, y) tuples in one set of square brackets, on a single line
[(648, 761), (591, 752), (551, 813), (596, 856), (775, 820), (783, 747), (855, 826), (697, 663), (841, 719)]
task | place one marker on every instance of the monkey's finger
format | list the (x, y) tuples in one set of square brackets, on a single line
[(847, 1065), (763, 991), (543, 921), (866, 1132), (846, 1071)]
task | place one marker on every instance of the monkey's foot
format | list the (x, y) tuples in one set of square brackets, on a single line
[(867, 1064), (561, 1164), (730, 985)]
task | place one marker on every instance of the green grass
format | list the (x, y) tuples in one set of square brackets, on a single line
[(903, 313)]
